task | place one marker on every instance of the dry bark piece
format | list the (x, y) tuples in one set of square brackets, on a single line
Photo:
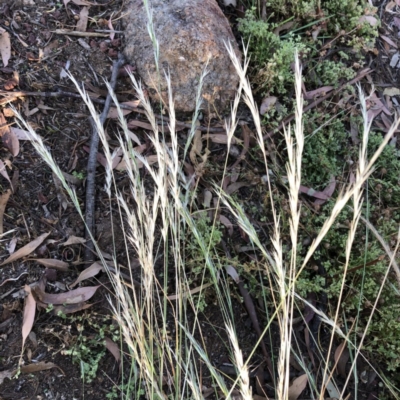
[(189, 34)]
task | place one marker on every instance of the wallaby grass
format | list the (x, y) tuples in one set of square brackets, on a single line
[(166, 357)]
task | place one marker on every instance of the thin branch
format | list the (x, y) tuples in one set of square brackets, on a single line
[(92, 161)]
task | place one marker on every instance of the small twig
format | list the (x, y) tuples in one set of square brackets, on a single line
[(11, 96), (92, 161), (291, 117)]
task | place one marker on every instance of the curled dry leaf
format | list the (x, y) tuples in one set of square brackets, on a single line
[(29, 314), (298, 385), (5, 46), (72, 297), (87, 273), (26, 250), (3, 203)]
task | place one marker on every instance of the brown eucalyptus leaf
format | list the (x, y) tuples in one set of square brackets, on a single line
[(113, 113), (59, 265), (3, 203), (227, 223), (114, 349), (81, 25), (82, 3), (341, 357), (298, 385), (5, 46), (21, 134), (72, 297), (70, 308), (231, 271), (74, 240), (234, 187), (87, 273), (10, 141), (4, 172), (220, 138), (29, 314), (26, 250), (6, 374), (328, 191), (40, 366)]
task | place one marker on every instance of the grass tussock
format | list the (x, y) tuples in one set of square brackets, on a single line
[(165, 352)]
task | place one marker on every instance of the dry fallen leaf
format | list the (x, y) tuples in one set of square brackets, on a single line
[(228, 224), (5, 46), (6, 374), (40, 366), (4, 172), (114, 349), (26, 250), (83, 3), (392, 91), (298, 385), (3, 203), (72, 297), (74, 240), (341, 357), (113, 113), (87, 273), (231, 271), (70, 308), (267, 104), (29, 314), (52, 263), (369, 19), (81, 25), (10, 141)]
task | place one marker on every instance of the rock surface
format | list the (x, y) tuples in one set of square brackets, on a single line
[(189, 32)]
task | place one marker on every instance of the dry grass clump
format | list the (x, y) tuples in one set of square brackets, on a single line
[(163, 333)]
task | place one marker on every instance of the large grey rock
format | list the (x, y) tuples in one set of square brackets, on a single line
[(189, 33)]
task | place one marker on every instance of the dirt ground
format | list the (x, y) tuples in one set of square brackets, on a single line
[(37, 205)]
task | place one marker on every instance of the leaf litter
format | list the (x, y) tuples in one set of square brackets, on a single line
[(26, 250)]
